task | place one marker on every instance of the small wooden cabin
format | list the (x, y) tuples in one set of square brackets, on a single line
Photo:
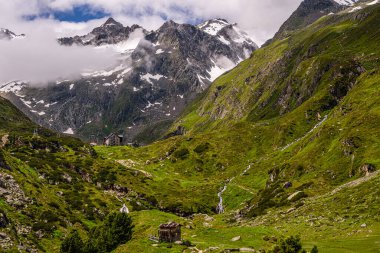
[(113, 140), (170, 232)]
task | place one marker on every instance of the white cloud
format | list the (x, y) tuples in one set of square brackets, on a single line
[(260, 18), (39, 58)]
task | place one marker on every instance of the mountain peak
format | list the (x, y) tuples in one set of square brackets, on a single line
[(9, 35), (213, 26), (111, 22)]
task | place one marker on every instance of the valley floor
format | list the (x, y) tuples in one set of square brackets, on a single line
[(343, 220)]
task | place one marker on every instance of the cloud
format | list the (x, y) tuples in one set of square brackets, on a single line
[(38, 58), (260, 18)]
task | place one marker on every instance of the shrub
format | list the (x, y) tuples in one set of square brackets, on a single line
[(181, 153), (116, 230), (202, 148), (314, 250), (72, 244), (291, 244)]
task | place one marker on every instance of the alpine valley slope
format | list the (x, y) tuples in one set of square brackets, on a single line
[(158, 74), (292, 137), (291, 134)]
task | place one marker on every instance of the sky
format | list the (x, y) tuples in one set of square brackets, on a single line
[(45, 20)]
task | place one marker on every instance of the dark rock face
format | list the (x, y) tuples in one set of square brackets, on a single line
[(368, 169), (3, 163), (4, 222), (142, 96)]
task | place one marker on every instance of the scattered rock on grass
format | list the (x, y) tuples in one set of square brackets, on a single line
[(235, 239)]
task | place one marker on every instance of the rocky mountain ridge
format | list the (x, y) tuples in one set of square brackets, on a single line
[(159, 73)]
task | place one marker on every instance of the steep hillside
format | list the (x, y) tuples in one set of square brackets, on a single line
[(286, 143), (50, 184)]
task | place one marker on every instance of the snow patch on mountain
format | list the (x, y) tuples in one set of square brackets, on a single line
[(220, 66), (69, 131), (355, 9), (125, 46), (13, 87), (104, 73), (346, 2), (149, 77)]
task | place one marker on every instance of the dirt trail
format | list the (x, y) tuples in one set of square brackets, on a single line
[(355, 182)]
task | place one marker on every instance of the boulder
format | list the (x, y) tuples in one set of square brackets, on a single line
[(297, 196), (246, 250), (4, 222), (287, 185), (11, 192), (235, 239), (368, 169)]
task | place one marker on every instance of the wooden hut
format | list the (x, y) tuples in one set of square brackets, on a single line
[(170, 232)]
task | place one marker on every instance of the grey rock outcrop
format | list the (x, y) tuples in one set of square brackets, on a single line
[(11, 192)]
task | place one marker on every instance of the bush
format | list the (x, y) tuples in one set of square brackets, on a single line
[(72, 244), (116, 230), (314, 250), (181, 153), (202, 148), (291, 244)]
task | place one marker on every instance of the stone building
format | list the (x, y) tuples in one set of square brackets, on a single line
[(170, 232)]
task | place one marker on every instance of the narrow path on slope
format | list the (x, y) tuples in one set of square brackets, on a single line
[(356, 182), (303, 137)]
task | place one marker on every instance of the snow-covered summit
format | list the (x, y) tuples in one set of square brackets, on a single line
[(226, 32), (213, 26)]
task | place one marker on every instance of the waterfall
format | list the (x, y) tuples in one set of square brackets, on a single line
[(220, 208)]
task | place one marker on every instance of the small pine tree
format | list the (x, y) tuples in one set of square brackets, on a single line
[(72, 244), (314, 249), (120, 229), (116, 230), (291, 244)]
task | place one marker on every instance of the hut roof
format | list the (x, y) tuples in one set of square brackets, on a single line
[(169, 225)]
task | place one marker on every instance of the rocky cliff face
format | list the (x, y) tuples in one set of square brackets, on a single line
[(159, 73)]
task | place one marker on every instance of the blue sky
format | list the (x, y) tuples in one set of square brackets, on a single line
[(85, 13), (82, 13)]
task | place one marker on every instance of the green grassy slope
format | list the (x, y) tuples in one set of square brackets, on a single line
[(51, 184), (317, 90)]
